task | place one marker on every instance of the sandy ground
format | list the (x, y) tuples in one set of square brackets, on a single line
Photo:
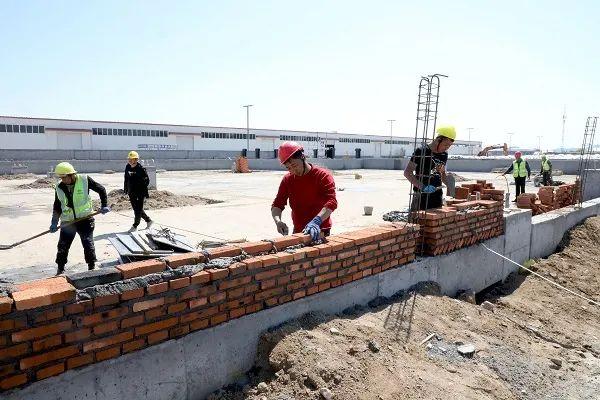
[(243, 214), (531, 341)]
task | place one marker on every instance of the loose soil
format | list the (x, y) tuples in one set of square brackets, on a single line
[(533, 342), (119, 201), (13, 177), (40, 183)]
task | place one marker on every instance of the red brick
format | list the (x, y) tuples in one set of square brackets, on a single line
[(200, 277), (77, 336), (133, 321), (306, 239), (324, 249), (179, 260), (323, 260), (155, 313), (179, 331), (49, 356), (216, 274), (48, 315), (268, 293), (14, 351), (47, 343), (299, 295), (286, 241), (238, 312), (254, 248), (323, 278), (79, 308), (141, 268), (108, 353), (103, 316), (268, 274), (156, 337), (179, 283), (157, 288), (156, 326), (132, 294), (101, 329), (106, 300), (254, 308), (268, 260), (285, 299), (80, 361), (237, 292), (346, 243), (43, 292), (199, 324), (225, 251), (224, 285), (300, 284), (39, 332), (176, 308), (198, 302), (132, 346), (237, 269), (148, 304), (324, 286), (50, 371), (312, 290), (217, 297), (218, 319), (13, 381), (283, 280), (268, 284), (7, 369)]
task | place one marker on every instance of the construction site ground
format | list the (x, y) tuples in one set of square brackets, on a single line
[(243, 211), (527, 339)]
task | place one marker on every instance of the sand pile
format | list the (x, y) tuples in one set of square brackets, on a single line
[(41, 183), (12, 177), (118, 200)]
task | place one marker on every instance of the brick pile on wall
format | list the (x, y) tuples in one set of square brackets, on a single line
[(469, 191), (47, 327), (550, 198), (450, 228)]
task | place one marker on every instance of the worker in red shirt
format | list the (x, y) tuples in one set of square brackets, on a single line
[(310, 190)]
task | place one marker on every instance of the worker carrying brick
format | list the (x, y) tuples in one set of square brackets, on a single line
[(426, 170), (521, 171), (311, 193), (136, 186), (546, 171), (72, 201)]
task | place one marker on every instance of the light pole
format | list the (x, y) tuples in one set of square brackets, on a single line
[(470, 146), (248, 128), (509, 140), (391, 121), (539, 143)]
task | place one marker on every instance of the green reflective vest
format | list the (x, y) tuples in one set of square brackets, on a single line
[(545, 165), (519, 169), (82, 202)]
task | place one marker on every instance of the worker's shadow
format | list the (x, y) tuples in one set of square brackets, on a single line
[(400, 314)]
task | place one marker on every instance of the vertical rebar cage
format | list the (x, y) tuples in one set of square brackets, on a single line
[(587, 148)]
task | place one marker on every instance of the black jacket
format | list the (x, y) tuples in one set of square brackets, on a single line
[(92, 185), (136, 180)]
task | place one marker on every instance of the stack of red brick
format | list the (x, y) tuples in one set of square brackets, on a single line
[(447, 229), (549, 198), (45, 331), (486, 190)]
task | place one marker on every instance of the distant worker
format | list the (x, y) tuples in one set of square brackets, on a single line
[(546, 171), (426, 170), (311, 193), (72, 201), (136, 186), (521, 171)]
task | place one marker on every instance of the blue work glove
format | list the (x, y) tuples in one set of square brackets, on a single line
[(104, 210), (313, 228), (53, 227), (428, 189)]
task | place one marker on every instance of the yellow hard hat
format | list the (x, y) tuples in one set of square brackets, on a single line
[(133, 154), (447, 131), (64, 168)]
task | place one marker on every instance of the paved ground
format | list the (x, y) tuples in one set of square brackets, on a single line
[(245, 212)]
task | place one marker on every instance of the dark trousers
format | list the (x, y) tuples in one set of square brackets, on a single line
[(85, 229), (546, 178), (137, 203), (425, 201), (520, 184)]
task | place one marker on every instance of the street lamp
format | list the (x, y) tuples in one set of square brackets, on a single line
[(248, 128), (391, 121), (470, 145), (509, 139), (539, 143)]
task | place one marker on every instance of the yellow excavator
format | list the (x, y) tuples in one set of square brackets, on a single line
[(487, 149)]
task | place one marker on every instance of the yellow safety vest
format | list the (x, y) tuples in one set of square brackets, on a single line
[(545, 166), (519, 169), (82, 202)]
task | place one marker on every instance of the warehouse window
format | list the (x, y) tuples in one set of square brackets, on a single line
[(35, 129), (21, 128)]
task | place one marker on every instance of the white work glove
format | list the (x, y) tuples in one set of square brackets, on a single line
[(282, 228)]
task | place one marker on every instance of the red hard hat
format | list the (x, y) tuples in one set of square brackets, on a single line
[(518, 154), (287, 149)]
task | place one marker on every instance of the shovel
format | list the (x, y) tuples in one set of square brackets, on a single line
[(10, 246)]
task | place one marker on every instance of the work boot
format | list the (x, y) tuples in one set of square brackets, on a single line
[(133, 228), (149, 224), (91, 266), (60, 270)]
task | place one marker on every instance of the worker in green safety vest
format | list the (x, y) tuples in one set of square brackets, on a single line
[(521, 171), (72, 201), (546, 171)]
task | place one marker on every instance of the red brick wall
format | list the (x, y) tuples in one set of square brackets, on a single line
[(45, 331)]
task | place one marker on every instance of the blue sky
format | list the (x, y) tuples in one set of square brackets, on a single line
[(343, 66)]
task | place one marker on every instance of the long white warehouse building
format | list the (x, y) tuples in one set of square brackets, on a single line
[(69, 134)]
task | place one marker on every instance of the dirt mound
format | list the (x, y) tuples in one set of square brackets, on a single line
[(40, 183), (458, 178), (529, 341), (119, 201), (13, 177)]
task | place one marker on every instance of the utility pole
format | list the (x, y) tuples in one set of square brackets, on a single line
[(391, 121), (509, 140), (539, 143), (248, 128), (470, 147), (564, 118)]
